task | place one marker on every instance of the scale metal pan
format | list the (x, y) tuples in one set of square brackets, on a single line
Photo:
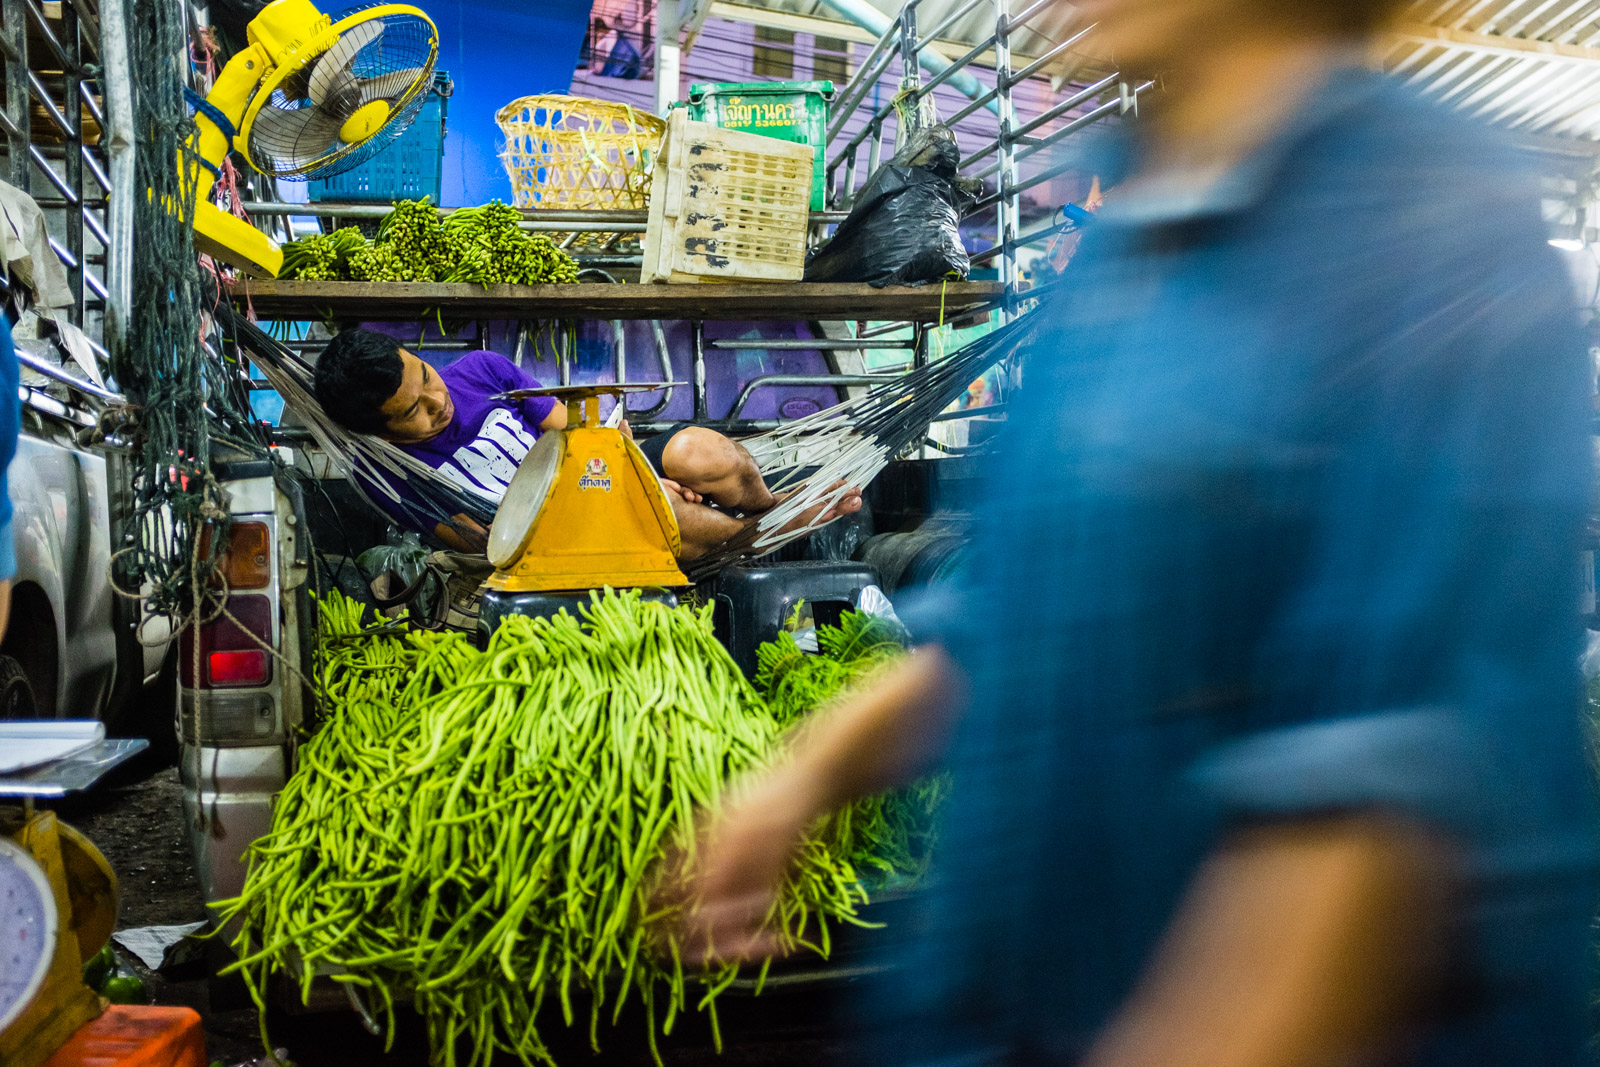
[(583, 392)]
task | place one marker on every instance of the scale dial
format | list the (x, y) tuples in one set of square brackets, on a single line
[(524, 499), (29, 925)]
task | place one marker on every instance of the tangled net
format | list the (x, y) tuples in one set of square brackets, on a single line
[(187, 400)]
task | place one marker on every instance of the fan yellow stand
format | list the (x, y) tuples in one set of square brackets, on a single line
[(281, 41), (585, 509), (85, 899)]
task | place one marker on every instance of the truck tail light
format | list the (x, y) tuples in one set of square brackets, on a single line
[(231, 651), (246, 561), (238, 668)]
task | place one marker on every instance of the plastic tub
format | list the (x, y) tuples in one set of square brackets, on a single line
[(796, 112), (130, 1035), (410, 168)]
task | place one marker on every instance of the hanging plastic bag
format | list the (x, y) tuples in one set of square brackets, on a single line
[(904, 228)]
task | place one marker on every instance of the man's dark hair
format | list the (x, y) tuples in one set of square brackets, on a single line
[(356, 375)]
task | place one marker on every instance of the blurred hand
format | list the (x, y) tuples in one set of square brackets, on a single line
[(744, 854), (627, 431), (673, 487)]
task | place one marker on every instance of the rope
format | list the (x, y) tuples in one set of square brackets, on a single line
[(210, 111), (187, 404)]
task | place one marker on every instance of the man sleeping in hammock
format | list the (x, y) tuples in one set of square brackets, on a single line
[(367, 383)]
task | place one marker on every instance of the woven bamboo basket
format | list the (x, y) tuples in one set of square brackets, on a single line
[(576, 154)]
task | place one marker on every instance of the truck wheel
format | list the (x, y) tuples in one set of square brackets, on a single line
[(16, 692)]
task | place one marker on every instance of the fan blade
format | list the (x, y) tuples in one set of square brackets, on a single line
[(295, 86), (292, 139), (331, 77), (390, 86)]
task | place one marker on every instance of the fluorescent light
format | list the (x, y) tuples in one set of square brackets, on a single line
[(1567, 244)]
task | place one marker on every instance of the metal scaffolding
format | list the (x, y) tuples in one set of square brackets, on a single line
[(1017, 139), (54, 127)]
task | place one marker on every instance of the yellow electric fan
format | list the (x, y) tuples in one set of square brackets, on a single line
[(307, 96), (585, 509)]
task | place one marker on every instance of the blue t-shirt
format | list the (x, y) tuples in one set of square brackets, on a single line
[(480, 449), (1284, 523), (10, 427)]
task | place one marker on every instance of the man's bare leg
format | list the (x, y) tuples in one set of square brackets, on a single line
[(723, 471), (700, 529), (719, 469)]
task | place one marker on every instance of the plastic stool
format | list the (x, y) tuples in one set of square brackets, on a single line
[(130, 1035), (753, 600)]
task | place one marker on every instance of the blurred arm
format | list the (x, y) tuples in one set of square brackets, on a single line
[(880, 738), (1300, 944), (467, 535)]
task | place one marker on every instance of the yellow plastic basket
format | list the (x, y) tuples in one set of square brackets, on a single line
[(727, 206), (573, 153)]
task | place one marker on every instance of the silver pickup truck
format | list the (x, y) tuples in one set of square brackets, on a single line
[(72, 649)]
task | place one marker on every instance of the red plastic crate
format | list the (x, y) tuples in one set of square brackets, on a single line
[(129, 1035)]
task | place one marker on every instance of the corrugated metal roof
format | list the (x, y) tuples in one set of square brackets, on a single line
[(1531, 66)]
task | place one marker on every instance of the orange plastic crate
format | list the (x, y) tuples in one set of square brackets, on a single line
[(136, 1036)]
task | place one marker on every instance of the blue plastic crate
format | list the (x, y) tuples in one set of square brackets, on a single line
[(411, 167)]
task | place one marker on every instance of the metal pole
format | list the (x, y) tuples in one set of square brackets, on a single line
[(15, 32), (1007, 208), (669, 54), (117, 82), (812, 344), (74, 162), (698, 329)]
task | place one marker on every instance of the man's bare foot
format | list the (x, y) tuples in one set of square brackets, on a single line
[(822, 513)]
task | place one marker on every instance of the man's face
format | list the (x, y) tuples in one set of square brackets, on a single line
[(1142, 36), (421, 408)]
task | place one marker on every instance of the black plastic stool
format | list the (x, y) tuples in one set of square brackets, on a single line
[(754, 600), (495, 605)]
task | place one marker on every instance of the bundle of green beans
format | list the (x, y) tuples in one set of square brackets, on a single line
[(483, 244), (481, 832), (323, 256), (488, 247), (891, 833)]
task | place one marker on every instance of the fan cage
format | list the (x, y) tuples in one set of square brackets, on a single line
[(405, 43)]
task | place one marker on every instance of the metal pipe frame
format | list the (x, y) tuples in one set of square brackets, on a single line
[(1016, 139), (70, 162), (1008, 210), (769, 380), (116, 80), (50, 370), (813, 344), (697, 331), (664, 359), (46, 404), (14, 31)]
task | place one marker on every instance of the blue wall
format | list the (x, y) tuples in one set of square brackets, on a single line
[(496, 51)]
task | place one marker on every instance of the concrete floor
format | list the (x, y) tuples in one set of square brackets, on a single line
[(135, 818)]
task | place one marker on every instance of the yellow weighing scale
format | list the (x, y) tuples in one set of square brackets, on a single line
[(60, 906), (585, 509)]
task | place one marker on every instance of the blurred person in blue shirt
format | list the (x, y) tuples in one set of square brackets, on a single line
[(1260, 699), (10, 426)]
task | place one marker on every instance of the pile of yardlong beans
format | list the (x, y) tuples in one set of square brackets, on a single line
[(480, 833), (892, 833)]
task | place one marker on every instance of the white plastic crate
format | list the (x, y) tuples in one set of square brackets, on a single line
[(726, 206)]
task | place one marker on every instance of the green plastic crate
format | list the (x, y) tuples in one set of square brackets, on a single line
[(796, 112)]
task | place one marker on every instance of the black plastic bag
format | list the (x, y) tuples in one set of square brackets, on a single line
[(905, 226)]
